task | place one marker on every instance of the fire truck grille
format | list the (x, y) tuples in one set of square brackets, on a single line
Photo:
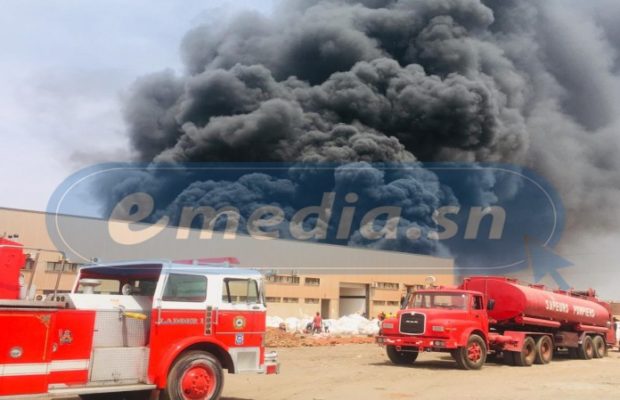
[(412, 323)]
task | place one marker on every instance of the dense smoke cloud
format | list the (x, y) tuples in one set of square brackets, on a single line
[(527, 82)]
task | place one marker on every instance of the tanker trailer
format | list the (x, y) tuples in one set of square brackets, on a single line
[(552, 320), (524, 324)]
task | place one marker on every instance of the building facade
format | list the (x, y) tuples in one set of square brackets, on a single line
[(292, 288)]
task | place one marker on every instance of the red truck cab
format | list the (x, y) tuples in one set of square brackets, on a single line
[(447, 320)]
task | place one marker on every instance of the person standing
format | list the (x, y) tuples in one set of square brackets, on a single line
[(317, 323)]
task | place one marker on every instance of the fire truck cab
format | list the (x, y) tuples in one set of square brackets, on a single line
[(148, 329)]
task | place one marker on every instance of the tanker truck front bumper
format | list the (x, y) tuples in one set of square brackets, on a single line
[(422, 343)]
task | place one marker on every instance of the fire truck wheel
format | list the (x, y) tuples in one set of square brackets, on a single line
[(600, 348), (544, 350), (527, 355), (196, 375), (473, 355), (586, 349), (401, 357)]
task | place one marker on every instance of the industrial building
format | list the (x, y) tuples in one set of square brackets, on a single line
[(293, 289)]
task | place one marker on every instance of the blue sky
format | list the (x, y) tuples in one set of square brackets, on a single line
[(64, 68)]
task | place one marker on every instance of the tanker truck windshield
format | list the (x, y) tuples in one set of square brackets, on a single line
[(438, 300)]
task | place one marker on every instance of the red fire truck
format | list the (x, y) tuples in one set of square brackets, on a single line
[(141, 329), (525, 324)]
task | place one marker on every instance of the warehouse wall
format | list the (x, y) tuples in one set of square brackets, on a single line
[(300, 297)]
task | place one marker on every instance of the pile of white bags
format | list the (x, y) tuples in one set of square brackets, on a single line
[(353, 324)]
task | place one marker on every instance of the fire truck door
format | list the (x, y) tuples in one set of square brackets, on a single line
[(180, 308), (240, 322)]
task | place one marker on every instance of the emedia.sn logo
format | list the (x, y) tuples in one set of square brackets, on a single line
[(491, 218)]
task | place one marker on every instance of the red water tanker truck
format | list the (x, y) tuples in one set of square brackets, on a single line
[(524, 324)]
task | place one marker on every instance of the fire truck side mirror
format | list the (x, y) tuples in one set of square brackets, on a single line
[(490, 304)]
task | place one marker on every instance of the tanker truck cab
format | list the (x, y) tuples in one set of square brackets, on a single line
[(445, 320), (159, 328)]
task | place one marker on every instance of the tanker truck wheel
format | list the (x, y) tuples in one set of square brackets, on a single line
[(586, 349), (196, 375), (544, 350), (401, 357), (527, 355), (473, 355), (600, 348)]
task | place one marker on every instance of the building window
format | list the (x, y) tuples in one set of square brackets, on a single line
[(285, 279), (273, 299), (290, 300), (312, 281), (55, 266), (312, 301), (378, 302), (393, 303), (387, 285), (414, 288)]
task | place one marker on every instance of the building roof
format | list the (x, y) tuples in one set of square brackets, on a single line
[(154, 267)]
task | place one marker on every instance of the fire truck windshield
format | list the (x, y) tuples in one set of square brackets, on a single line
[(441, 300)]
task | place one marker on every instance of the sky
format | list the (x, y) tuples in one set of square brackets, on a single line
[(64, 69)]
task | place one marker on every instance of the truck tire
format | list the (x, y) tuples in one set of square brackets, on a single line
[(544, 350), (196, 375), (600, 348), (473, 355), (401, 357), (527, 355), (586, 350)]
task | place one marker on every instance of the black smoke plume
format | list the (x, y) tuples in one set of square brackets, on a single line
[(529, 82)]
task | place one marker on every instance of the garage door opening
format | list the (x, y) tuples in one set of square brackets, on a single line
[(353, 299)]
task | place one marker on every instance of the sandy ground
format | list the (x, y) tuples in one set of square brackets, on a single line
[(362, 371)]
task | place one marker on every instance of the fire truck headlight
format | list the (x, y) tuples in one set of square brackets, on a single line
[(387, 325), (438, 328)]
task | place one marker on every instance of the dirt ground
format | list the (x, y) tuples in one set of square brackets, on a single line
[(362, 371), (319, 368), (278, 339)]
